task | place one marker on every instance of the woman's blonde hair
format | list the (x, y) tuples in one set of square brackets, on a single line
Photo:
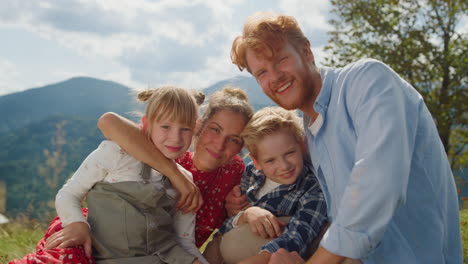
[(229, 98), (173, 103), (270, 120), (264, 33)]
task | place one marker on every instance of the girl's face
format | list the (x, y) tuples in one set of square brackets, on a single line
[(170, 137), (219, 140)]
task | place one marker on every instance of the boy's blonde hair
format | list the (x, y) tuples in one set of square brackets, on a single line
[(264, 33), (270, 120), (230, 98), (173, 103)]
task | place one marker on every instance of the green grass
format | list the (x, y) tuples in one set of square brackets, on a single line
[(464, 230), (19, 237)]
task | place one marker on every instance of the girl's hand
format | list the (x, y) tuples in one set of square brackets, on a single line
[(263, 223), (235, 201), (74, 234), (190, 199)]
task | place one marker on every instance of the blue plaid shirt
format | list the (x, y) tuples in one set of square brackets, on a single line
[(302, 200)]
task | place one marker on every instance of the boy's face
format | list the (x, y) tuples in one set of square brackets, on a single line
[(280, 156)]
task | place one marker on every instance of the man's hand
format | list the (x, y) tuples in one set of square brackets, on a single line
[(282, 256), (262, 222), (235, 201), (73, 234), (190, 199)]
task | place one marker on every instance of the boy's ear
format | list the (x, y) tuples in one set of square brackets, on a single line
[(255, 162), (144, 121)]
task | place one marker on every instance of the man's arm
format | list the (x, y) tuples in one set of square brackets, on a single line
[(385, 126), (131, 138), (323, 256)]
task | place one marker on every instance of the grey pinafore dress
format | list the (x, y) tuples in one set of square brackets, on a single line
[(131, 222)]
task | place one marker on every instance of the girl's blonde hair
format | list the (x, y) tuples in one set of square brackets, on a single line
[(270, 120), (264, 33), (229, 98), (173, 103)]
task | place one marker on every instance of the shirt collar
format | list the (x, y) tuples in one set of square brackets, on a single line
[(316, 125), (323, 99)]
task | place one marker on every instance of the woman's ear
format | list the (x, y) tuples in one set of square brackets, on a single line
[(198, 126), (255, 162), (144, 121)]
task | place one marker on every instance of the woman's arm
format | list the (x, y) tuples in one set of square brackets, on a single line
[(131, 138)]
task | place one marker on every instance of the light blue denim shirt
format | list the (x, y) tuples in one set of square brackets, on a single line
[(388, 185)]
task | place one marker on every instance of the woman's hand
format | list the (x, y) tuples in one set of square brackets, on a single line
[(190, 199), (262, 222), (235, 201), (282, 256), (74, 234)]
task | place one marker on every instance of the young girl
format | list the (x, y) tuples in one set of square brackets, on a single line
[(130, 205)]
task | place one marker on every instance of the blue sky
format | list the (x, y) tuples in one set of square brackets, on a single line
[(134, 42)]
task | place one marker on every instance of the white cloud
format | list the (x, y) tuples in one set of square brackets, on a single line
[(311, 15), (183, 42), (9, 76)]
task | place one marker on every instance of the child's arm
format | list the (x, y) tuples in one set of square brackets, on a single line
[(68, 200), (184, 226), (262, 222), (131, 138), (305, 224)]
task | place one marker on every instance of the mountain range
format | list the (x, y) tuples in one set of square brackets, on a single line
[(47, 131)]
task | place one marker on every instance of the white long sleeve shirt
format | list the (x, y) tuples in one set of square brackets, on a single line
[(110, 163)]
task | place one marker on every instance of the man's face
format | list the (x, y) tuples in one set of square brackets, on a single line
[(289, 78)]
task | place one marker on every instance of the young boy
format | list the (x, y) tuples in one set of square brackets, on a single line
[(280, 183)]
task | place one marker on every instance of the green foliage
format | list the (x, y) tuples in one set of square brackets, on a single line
[(18, 238), (419, 40), (36, 160)]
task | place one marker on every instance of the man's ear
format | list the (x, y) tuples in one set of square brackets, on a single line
[(255, 162), (307, 52), (144, 121)]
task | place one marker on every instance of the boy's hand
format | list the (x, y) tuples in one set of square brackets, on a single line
[(190, 199), (263, 223), (235, 201), (74, 234)]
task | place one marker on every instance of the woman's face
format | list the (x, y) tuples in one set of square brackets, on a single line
[(219, 140)]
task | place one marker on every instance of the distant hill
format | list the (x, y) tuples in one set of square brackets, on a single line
[(89, 98), (60, 119), (80, 96), (256, 97)]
